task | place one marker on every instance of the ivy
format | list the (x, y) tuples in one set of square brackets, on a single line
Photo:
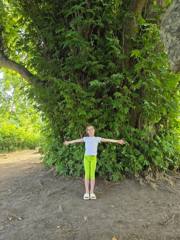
[(79, 49)]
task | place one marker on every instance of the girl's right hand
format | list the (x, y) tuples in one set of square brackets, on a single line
[(121, 141), (66, 142)]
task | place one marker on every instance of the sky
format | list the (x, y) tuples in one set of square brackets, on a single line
[(8, 92), (1, 75)]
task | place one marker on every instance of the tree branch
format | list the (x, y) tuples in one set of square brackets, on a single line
[(10, 64)]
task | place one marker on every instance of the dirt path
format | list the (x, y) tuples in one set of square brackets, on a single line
[(37, 205)]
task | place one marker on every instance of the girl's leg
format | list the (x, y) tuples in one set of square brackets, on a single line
[(86, 182), (92, 185), (92, 173), (86, 178)]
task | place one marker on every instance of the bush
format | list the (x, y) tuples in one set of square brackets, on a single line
[(13, 138)]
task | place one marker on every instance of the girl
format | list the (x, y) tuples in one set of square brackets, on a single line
[(90, 158)]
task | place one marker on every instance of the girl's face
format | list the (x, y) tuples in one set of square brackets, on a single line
[(90, 131)]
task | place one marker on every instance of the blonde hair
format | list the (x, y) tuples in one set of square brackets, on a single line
[(90, 126)]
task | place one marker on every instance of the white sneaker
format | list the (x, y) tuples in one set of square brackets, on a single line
[(86, 196), (92, 196)]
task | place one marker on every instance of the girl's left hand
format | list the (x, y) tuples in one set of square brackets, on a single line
[(121, 141), (66, 142)]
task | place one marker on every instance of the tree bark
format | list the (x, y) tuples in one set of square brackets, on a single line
[(170, 26)]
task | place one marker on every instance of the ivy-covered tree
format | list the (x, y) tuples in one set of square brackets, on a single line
[(102, 63)]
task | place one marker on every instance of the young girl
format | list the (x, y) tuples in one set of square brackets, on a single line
[(90, 158)]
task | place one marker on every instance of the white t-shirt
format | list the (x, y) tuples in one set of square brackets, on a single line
[(91, 144)]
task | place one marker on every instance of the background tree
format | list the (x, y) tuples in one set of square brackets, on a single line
[(20, 123)]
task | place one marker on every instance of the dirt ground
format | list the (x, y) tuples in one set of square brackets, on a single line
[(36, 204)]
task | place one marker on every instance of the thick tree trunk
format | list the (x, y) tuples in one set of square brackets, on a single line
[(131, 26), (170, 32), (131, 30)]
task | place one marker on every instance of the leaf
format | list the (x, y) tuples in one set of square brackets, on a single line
[(135, 53), (96, 83)]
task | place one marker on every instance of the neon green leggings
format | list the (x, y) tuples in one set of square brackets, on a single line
[(90, 166)]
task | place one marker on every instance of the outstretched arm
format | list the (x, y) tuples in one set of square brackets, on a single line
[(73, 141), (121, 141)]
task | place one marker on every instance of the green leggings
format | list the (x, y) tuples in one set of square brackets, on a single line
[(90, 166)]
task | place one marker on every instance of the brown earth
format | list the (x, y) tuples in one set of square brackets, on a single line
[(36, 204)]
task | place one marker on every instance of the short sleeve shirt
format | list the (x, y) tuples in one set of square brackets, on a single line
[(91, 145)]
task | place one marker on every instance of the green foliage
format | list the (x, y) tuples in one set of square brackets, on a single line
[(79, 49), (20, 124), (13, 137)]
